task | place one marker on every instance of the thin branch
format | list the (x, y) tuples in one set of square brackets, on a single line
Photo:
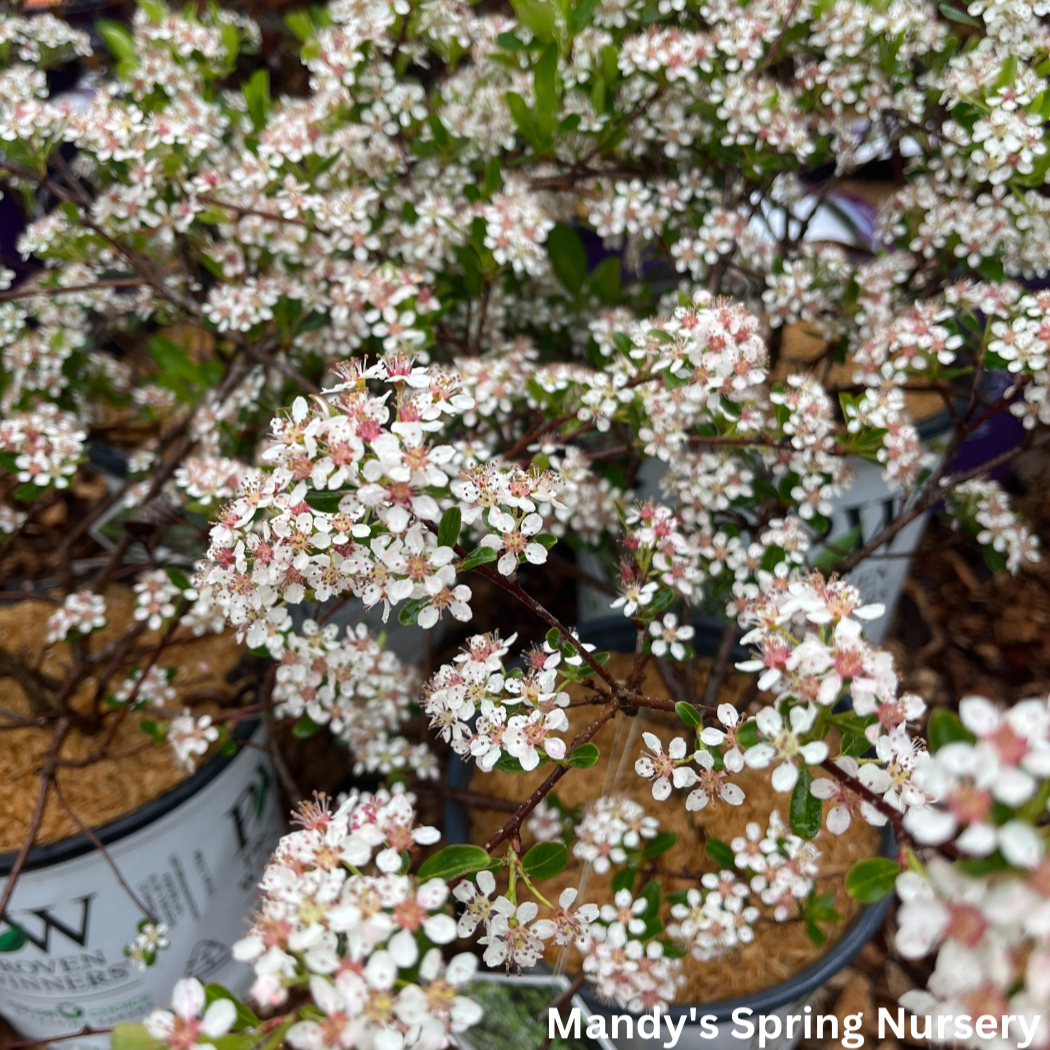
[(549, 618), (32, 293), (468, 798), (933, 494), (97, 843), (512, 826), (47, 772), (730, 633), (283, 773)]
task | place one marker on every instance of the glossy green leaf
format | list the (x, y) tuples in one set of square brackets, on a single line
[(659, 845), (805, 812), (568, 257), (452, 862), (448, 530), (478, 556), (129, 1036), (584, 756), (721, 853), (245, 1015), (688, 714), (944, 727), (545, 860), (871, 879), (305, 727)]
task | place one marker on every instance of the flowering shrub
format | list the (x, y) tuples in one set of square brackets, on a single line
[(424, 322)]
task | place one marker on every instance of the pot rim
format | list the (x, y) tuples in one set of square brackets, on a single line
[(610, 629), (134, 820)]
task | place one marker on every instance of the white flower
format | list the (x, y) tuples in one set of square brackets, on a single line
[(188, 1024), (663, 770), (526, 734), (872, 776), (476, 898), (733, 757), (513, 540), (669, 637), (781, 745)]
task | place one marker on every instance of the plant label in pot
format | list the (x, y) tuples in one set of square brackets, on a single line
[(192, 856)]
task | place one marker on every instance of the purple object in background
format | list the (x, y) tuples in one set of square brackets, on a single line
[(995, 435)]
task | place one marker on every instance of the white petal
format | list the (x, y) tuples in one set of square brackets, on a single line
[(187, 997), (784, 777)]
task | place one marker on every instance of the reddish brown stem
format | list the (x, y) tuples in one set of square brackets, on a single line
[(97, 843), (47, 771), (513, 825)]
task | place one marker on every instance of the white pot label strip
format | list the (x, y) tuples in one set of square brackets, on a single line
[(196, 868), (871, 504)]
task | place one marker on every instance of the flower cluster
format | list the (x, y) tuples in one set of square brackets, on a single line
[(80, 613), (610, 827), (366, 331), (366, 946), (361, 691)]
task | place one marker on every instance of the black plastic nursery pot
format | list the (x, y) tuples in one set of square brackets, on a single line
[(192, 857), (726, 1019)]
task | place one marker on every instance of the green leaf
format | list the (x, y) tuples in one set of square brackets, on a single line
[(301, 24), (821, 907), (245, 1016), (605, 280), (651, 893), (546, 539), (995, 560), (173, 360), (509, 764), (545, 81), (408, 614), (953, 14), (583, 757), (805, 812), (545, 860), (837, 549), (448, 530), (509, 42), (721, 853), (27, 492), (522, 115), (325, 502), (12, 939), (660, 844), (624, 880), (119, 41), (257, 96), (944, 727), (178, 578), (478, 556), (439, 131), (688, 714), (129, 1036), (582, 13), (536, 16), (493, 177), (452, 862), (981, 866), (815, 933), (747, 735), (871, 879), (568, 257), (305, 728), (157, 729)]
